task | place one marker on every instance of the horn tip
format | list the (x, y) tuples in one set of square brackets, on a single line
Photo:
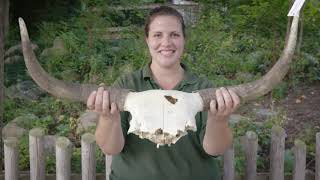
[(23, 30), (21, 21)]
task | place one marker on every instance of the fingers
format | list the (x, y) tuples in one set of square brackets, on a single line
[(220, 101), (91, 100), (235, 99), (227, 102), (105, 104), (99, 102), (114, 108), (108, 109), (99, 99), (213, 106), (227, 99)]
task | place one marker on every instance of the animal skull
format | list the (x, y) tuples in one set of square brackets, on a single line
[(162, 116)]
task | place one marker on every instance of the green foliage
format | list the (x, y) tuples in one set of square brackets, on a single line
[(306, 68), (63, 129), (48, 31), (259, 14), (100, 157), (24, 153), (44, 123), (50, 159), (280, 91), (50, 163), (54, 115), (209, 51), (246, 37), (12, 38), (9, 114), (308, 136), (76, 161), (15, 73), (288, 161), (311, 16), (263, 131)]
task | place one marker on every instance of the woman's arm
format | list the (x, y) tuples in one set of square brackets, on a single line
[(218, 135), (109, 136), (108, 133)]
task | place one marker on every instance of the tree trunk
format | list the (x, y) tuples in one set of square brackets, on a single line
[(299, 43), (4, 17)]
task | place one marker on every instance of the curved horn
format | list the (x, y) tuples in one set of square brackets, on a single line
[(61, 89), (266, 83)]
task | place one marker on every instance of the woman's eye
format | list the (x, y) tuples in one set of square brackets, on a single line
[(176, 35), (157, 35)]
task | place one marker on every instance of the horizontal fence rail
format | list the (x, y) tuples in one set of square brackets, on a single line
[(88, 158)]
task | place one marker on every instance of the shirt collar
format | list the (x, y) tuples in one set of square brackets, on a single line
[(189, 78)]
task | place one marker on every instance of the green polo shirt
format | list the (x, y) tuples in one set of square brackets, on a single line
[(140, 159)]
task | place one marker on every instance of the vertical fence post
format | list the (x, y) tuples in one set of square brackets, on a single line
[(37, 156), (11, 155), (88, 157), (63, 158), (228, 164), (251, 147), (108, 166), (277, 153), (317, 156), (299, 170)]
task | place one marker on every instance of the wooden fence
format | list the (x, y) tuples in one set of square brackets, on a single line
[(88, 161)]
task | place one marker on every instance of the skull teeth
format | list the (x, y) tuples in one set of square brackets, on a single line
[(162, 138)]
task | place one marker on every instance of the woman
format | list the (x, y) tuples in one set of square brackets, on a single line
[(191, 157)]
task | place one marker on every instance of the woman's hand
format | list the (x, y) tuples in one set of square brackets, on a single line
[(225, 104), (108, 133), (98, 101), (218, 135)]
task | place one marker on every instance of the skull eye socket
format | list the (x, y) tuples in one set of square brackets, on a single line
[(171, 99)]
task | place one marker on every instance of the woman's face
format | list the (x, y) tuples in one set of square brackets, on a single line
[(165, 41)]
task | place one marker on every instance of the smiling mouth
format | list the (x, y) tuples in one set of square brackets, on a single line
[(167, 52)]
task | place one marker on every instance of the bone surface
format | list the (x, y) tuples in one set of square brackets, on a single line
[(162, 116)]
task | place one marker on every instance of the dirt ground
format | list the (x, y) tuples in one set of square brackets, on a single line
[(301, 114), (303, 109), (302, 106)]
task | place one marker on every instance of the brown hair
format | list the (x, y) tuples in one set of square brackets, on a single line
[(163, 11)]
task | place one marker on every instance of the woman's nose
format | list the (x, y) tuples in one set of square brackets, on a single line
[(166, 40)]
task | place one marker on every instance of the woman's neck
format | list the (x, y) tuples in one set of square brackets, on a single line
[(167, 78)]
